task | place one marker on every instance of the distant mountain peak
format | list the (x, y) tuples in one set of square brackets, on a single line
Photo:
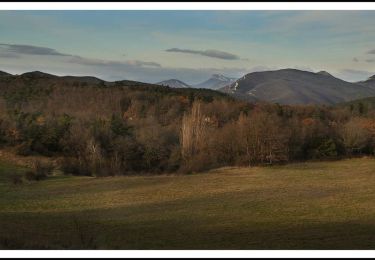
[(38, 74), (173, 83), (220, 77), (325, 73), (216, 81)]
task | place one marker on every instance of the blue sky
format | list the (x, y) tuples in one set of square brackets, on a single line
[(151, 46)]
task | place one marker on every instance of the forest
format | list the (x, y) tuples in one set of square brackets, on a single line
[(125, 128)]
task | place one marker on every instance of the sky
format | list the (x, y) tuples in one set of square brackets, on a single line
[(151, 46)]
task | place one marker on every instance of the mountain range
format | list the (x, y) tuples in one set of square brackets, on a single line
[(292, 86), (40, 84), (216, 81), (285, 86)]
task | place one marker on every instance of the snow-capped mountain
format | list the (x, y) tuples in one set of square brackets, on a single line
[(215, 82)]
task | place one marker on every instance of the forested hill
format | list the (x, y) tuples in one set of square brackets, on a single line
[(105, 128), (34, 83)]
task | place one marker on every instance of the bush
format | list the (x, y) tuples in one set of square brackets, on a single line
[(24, 149), (327, 149), (43, 168), (16, 179), (40, 171), (31, 176), (73, 166)]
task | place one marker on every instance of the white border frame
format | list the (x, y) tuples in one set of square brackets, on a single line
[(187, 6)]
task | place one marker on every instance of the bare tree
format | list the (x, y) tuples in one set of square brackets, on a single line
[(355, 137), (192, 132)]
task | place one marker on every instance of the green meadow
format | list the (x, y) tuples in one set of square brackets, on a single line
[(314, 205)]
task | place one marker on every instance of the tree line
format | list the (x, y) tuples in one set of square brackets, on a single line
[(120, 130)]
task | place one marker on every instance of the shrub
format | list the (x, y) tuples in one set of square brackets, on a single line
[(43, 168), (24, 149), (16, 179), (327, 149), (30, 175), (33, 176), (40, 171), (73, 166)]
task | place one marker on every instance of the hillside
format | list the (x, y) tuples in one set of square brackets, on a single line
[(2, 74), (370, 82), (36, 84), (291, 86), (43, 79)]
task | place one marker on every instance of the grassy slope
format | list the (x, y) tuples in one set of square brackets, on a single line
[(324, 205)]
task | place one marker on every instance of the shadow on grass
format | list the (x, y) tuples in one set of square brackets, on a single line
[(250, 219), (169, 226), (163, 235)]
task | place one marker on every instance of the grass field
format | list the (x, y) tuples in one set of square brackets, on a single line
[(320, 205)]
